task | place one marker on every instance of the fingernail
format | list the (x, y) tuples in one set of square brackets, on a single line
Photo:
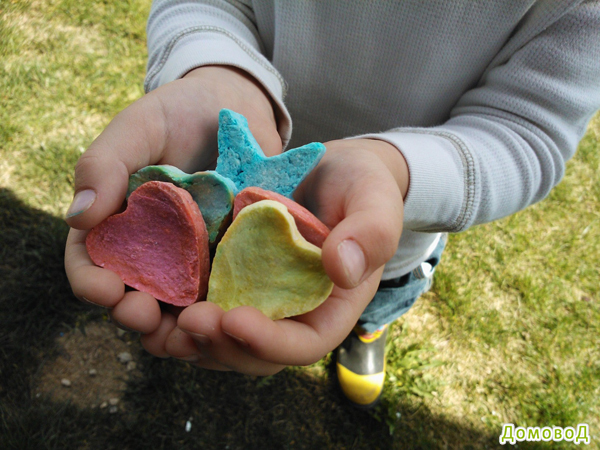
[(81, 202), (85, 300), (120, 325), (353, 260), (191, 358), (201, 339), (89, 302), (239, 340)]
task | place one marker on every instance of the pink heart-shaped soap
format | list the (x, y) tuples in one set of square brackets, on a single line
[(311, 228), (158, 245)]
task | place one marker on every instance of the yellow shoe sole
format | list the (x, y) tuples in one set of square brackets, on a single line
[(360, 369)]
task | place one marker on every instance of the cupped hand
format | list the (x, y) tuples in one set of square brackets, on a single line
[(357, 190), (176, 124)]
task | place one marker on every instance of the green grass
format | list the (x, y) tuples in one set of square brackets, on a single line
[(510, 332)]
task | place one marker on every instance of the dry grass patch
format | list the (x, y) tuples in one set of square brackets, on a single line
[(63, 76), (38, 32)]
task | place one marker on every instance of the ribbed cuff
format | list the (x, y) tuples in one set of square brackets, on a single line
[(441, 185)]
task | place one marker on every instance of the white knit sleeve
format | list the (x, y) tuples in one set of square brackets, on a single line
[(507, 141), (185, 34)]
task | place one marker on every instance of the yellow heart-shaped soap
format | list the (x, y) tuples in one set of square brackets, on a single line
[(263, 261)]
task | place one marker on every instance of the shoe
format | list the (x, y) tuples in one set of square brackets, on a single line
[(360, 366)]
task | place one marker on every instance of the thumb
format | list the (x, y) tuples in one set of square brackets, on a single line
[(368, 234), (131, 141), (165, 126)]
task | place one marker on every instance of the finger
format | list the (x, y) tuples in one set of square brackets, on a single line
[(368, 234), (135, 138), (180, 345), (202, 322), (138, 311), (304, 339), (88, 281), (155, 342)]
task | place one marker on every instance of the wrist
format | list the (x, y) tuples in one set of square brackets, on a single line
[(238, 88), (393, 159), (389, 164)]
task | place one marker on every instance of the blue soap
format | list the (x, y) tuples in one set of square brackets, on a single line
[(242, 160)]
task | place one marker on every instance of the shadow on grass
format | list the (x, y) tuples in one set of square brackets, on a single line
[(294, 409)]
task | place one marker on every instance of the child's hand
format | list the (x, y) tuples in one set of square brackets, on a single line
[(176, 124), (357, 189)]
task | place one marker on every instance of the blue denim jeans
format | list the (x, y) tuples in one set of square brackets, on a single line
[(396, 296)]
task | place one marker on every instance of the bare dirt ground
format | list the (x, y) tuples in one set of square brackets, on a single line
[(92, 367)]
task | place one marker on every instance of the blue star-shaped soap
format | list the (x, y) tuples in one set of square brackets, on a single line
[(242, 160)]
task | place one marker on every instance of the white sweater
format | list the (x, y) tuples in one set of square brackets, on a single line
[(486, 100)]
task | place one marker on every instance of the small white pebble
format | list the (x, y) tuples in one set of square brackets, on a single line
[(113, 401), (113, 409), (103, 405), (120, 332), (92, 373), (188, 426), (125, 357), (131, 365), (65, 382)]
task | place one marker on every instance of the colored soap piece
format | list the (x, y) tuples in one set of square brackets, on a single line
[(158, 245), (242, 160), (311, 228), (212, 193), (263, 261)]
